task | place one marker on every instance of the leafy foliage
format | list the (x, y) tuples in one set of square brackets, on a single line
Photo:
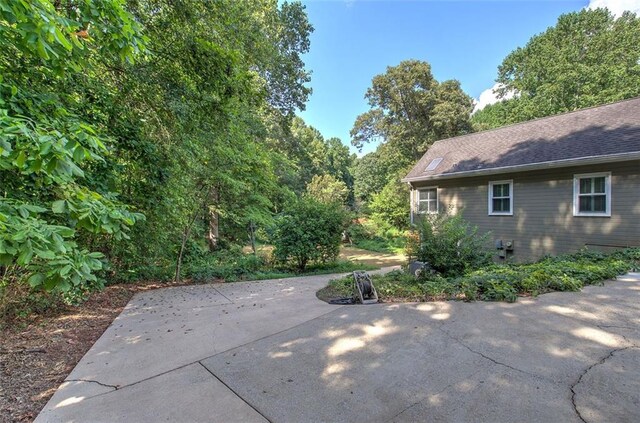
[(308, 231), (410, 110), (182, 109), (46, 145), (450, 244), (588, 58), (327, 189), (391, 205), (368, 235)]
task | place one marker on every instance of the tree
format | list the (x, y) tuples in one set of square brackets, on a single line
[(391, 205), (328, 189), (502, 113), (410, 110), (588, 58), (308, 231)]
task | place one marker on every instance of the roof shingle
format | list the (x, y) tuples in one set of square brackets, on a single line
[(597, 131)]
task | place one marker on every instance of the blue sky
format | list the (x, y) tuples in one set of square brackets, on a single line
[(354, 40)]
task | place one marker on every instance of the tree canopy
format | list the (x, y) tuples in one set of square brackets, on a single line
[(410, 109), (588, 58)]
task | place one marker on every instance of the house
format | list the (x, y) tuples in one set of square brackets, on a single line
[(547, 186)]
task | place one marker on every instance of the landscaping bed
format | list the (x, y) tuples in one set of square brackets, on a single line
[(498, 282)]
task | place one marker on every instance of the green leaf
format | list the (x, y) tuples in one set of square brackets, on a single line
[(64, 286), (59, 36), (21, 159), (58, 206), (36, 280), (65, 270), (25, 257), (78, 154), (23, 212), (45, 254), (42, 51)]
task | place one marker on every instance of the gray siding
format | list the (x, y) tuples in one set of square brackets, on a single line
[(543, 221)]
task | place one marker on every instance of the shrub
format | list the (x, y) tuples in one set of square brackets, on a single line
[(450, 244), (308, 231)]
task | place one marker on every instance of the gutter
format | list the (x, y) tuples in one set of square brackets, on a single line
[(610, 158)]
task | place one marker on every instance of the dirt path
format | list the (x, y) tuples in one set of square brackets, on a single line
[(371, 257)]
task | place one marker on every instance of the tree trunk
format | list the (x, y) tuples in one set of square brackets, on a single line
[(213, 236), (252, 237), (185, 236)]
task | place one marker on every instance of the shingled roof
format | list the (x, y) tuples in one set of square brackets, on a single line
[(599, 134)]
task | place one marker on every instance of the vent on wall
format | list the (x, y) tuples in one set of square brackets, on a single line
[(434, 163)]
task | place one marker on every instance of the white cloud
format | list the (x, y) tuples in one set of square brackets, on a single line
[(616, 6), (487, 97)]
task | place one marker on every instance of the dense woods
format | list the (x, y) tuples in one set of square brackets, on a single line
[(149, 139), (137, 135)]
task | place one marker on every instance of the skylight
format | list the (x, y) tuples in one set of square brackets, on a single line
[(434, 163)]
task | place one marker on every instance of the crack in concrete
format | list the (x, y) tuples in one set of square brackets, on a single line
[(235, 393), (227, 298), (493, 360), (208, 356), (616, 327), (584, 373), (114, 387)]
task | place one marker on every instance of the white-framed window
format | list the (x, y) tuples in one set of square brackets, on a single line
[(592, 194), (501, 198), (427, 200)]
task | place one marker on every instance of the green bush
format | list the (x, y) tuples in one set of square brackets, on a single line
[(308, 232), (451, 245)]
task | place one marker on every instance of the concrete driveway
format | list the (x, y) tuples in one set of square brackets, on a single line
[(270, 351)]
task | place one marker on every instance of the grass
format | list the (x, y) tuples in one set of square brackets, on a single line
[(498, 282), (235, 274), (381, 245)]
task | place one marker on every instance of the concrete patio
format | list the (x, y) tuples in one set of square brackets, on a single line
[(270, 351)]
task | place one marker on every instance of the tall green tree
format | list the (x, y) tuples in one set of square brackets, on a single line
[(410, 109), (588, 58)]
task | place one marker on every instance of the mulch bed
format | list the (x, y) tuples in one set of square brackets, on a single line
[(36, 356)]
